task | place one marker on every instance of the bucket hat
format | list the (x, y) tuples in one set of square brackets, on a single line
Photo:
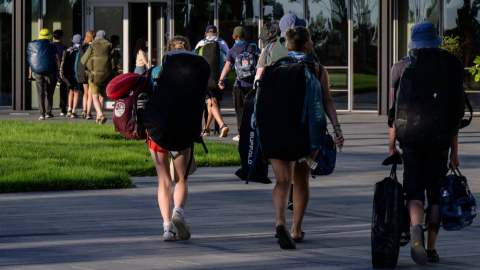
[(77, 39), (287, 21), (101, 34), (44, 34), (424, 34)]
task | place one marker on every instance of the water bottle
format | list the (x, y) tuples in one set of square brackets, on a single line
[(446, 196)]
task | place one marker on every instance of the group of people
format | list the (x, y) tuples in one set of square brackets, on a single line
[(85, 69)]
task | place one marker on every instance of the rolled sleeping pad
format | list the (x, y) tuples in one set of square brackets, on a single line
[(121, 86)]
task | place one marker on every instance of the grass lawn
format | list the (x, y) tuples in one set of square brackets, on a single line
[(40, 156)]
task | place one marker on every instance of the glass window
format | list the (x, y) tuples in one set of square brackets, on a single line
[(233, 13), (275, 9), (411, 12), (341, 99), (6, 54), (365, 54), (328, 25), (192, 18)]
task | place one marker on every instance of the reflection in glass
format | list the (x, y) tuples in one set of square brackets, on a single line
[(462, 19), (411, 12), (328, 25), (365, 38), (474, 101), (233, 13), (158, 41), (65, 15), (340, 99), (6, 54), (275, 9), (338, 79), (192, 18), (110, 19)]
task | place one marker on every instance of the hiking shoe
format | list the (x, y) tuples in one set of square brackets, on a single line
[(62, 114), (49, 115), (41, 118), (170, 232), (418, 251), (236, 138), (69, 113), (223, 131), (183, 229), (206, 132), (84, 114), (432, 255), (88, 117), (74, 115)]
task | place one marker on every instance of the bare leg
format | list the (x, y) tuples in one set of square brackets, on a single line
[(164, 184), (215, 111), (432, 233), (284, 171), (181, 185), (97, 105), (102, 102), (70, 98), (210, 115), (301, 194), (76, 97), (85, 97), (416, 210), (90, 101)]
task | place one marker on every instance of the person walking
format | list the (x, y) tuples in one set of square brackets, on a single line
[(299, 45), (215, 50), (187, 87), (67, 73), (44, 61), (58, 38), (423, 168), (100, 71), (82, 77), (141, 62), (246, 53)]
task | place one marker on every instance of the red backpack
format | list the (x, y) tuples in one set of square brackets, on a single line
[(128, 90)]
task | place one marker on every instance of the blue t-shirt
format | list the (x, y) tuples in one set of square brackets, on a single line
[(232, 54), (60, 48)]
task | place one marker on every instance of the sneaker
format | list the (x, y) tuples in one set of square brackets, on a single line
[(69, 113), (62, 114), (183, 229), (224, 131), (84, 114), (236, 138), (49, 115), (41, 117), (170, 232), (432, 255), (88, 117), (418, 251), (290, 205), (74, 115), (206, 132)]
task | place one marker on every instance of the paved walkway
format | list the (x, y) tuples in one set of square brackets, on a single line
[(232, 223)]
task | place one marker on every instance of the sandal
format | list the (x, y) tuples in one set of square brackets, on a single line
[(297, 240), (102, 120), (97, 121), (284, 239)]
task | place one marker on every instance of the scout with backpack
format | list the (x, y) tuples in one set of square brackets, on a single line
[(80, 72), (41, 56), (68, 66), (101, 65), (211, 50)]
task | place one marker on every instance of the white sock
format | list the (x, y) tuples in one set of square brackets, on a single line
[(73, 111), (167, 224), (178, 209)]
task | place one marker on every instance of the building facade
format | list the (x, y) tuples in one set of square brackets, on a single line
[(356, 40)]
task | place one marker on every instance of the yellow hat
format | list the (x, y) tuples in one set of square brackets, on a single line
[(44, 34)]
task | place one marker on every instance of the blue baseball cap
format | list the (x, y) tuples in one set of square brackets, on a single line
[(424, 34), (302, 22), (287, 21), (211, 28)]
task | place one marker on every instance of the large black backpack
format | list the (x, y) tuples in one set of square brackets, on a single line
[(173, 116), (389, 221), (67, 68), (289, 110), (41, 56), (211, 51), (269, 33), (80, 73), (430, 102)]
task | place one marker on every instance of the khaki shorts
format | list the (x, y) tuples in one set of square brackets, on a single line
[(98, 89)]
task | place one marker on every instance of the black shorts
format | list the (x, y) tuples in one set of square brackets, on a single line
[(214, 94), (422, 172)]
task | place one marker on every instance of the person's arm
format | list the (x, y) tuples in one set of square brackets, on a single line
[(86, 56), (330, 109), (225, 71), (392, 145), (30, 73), (454, 161), (58, 62)]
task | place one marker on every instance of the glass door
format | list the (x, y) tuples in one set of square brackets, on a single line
[(157, 33)]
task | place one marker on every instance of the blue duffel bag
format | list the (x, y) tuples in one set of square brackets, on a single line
[(40, 56)]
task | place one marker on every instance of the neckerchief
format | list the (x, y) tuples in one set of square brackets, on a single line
[(298, 55), (240, 42)]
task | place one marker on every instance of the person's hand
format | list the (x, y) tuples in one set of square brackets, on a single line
[(221, 85), (30, 79), (339, 139), (454, 161), (394, 151)]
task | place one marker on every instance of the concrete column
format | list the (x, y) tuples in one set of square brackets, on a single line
[(385, 53), (21, 35)]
